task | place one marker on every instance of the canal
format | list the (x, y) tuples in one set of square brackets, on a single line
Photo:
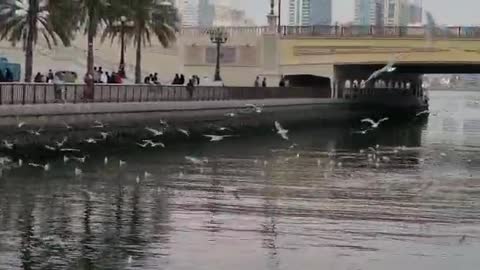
[(403, 196)]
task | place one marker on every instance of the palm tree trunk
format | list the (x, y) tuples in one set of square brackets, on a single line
[(90, 60), (32, 24), (138, 64)]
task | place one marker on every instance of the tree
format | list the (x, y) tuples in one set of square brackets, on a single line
[(25, 20), (92, 14), (148, 18)]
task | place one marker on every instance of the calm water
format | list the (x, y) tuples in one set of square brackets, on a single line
[(256, 204)]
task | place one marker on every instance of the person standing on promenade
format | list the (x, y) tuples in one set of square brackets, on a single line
[(50, 76), (282, 81), (264, 82), (8, 75), (190, 88), (182, 80), (257, 82)]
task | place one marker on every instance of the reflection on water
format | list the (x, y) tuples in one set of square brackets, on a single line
[(411, 200)]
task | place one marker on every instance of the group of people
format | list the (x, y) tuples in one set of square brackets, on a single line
[(99, 76), (6, 75), (152, 79), (282, 83), (40, 78)]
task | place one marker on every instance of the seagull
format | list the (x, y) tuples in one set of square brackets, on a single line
[(8, 145), (157, 144), (147, 175), (105, 160), (386, 69), (373, 123), (224, 129), (184, 131), (105, 135), (35, 132), (196, 161), (20, 163), (256, 108), (152, 144), (69, 150), (78, 172), (62, 143), (51, 148), (164, 123), (230, 114), (362, 132), (66, 159), (68, 127), (122, 163), (91, 141), (143, 145), (422, 113), (137, 179), (281, 131), (154, 132), (80, 159), (129, 261), (216, 138), (45, 167), (21, 124), (98, 124)]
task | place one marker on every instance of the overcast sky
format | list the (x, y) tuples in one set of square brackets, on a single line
[(457, 12)]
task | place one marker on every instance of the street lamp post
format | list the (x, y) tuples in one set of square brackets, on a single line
[(218, 37), (121, 68)]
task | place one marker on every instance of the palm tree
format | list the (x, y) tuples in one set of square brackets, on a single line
[(25, 20), (148, 18), (92, 15)]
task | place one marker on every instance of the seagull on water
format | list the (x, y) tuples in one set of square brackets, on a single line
[(154, 132), (91, 141), (231, 114), (122, 163), (98, 124), (147, 175), (216, 138), (69, 150), (281, 131), (105, 161), (8, 145), (386, 69), (50, 148), (196, 161), (422, 113), (35, 132), (20, 163), (373, 123), (184, 131), (45, 167), (137, 179), (256, 108), (163, 122)]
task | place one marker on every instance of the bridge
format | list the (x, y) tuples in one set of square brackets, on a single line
[(341, 53)]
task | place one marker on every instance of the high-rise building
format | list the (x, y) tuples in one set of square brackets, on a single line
[(188, 11), (416, 12), (397, 12), (369, 12), (206, 13), (310, 12)]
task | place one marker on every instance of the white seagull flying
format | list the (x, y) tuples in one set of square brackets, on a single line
[(281, 131), (373, 123)]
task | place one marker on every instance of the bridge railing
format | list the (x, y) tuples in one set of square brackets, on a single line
[(40, 93), (347, 31)]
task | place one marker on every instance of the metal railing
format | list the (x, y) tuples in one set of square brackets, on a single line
[(347, 31), (40, 93)]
